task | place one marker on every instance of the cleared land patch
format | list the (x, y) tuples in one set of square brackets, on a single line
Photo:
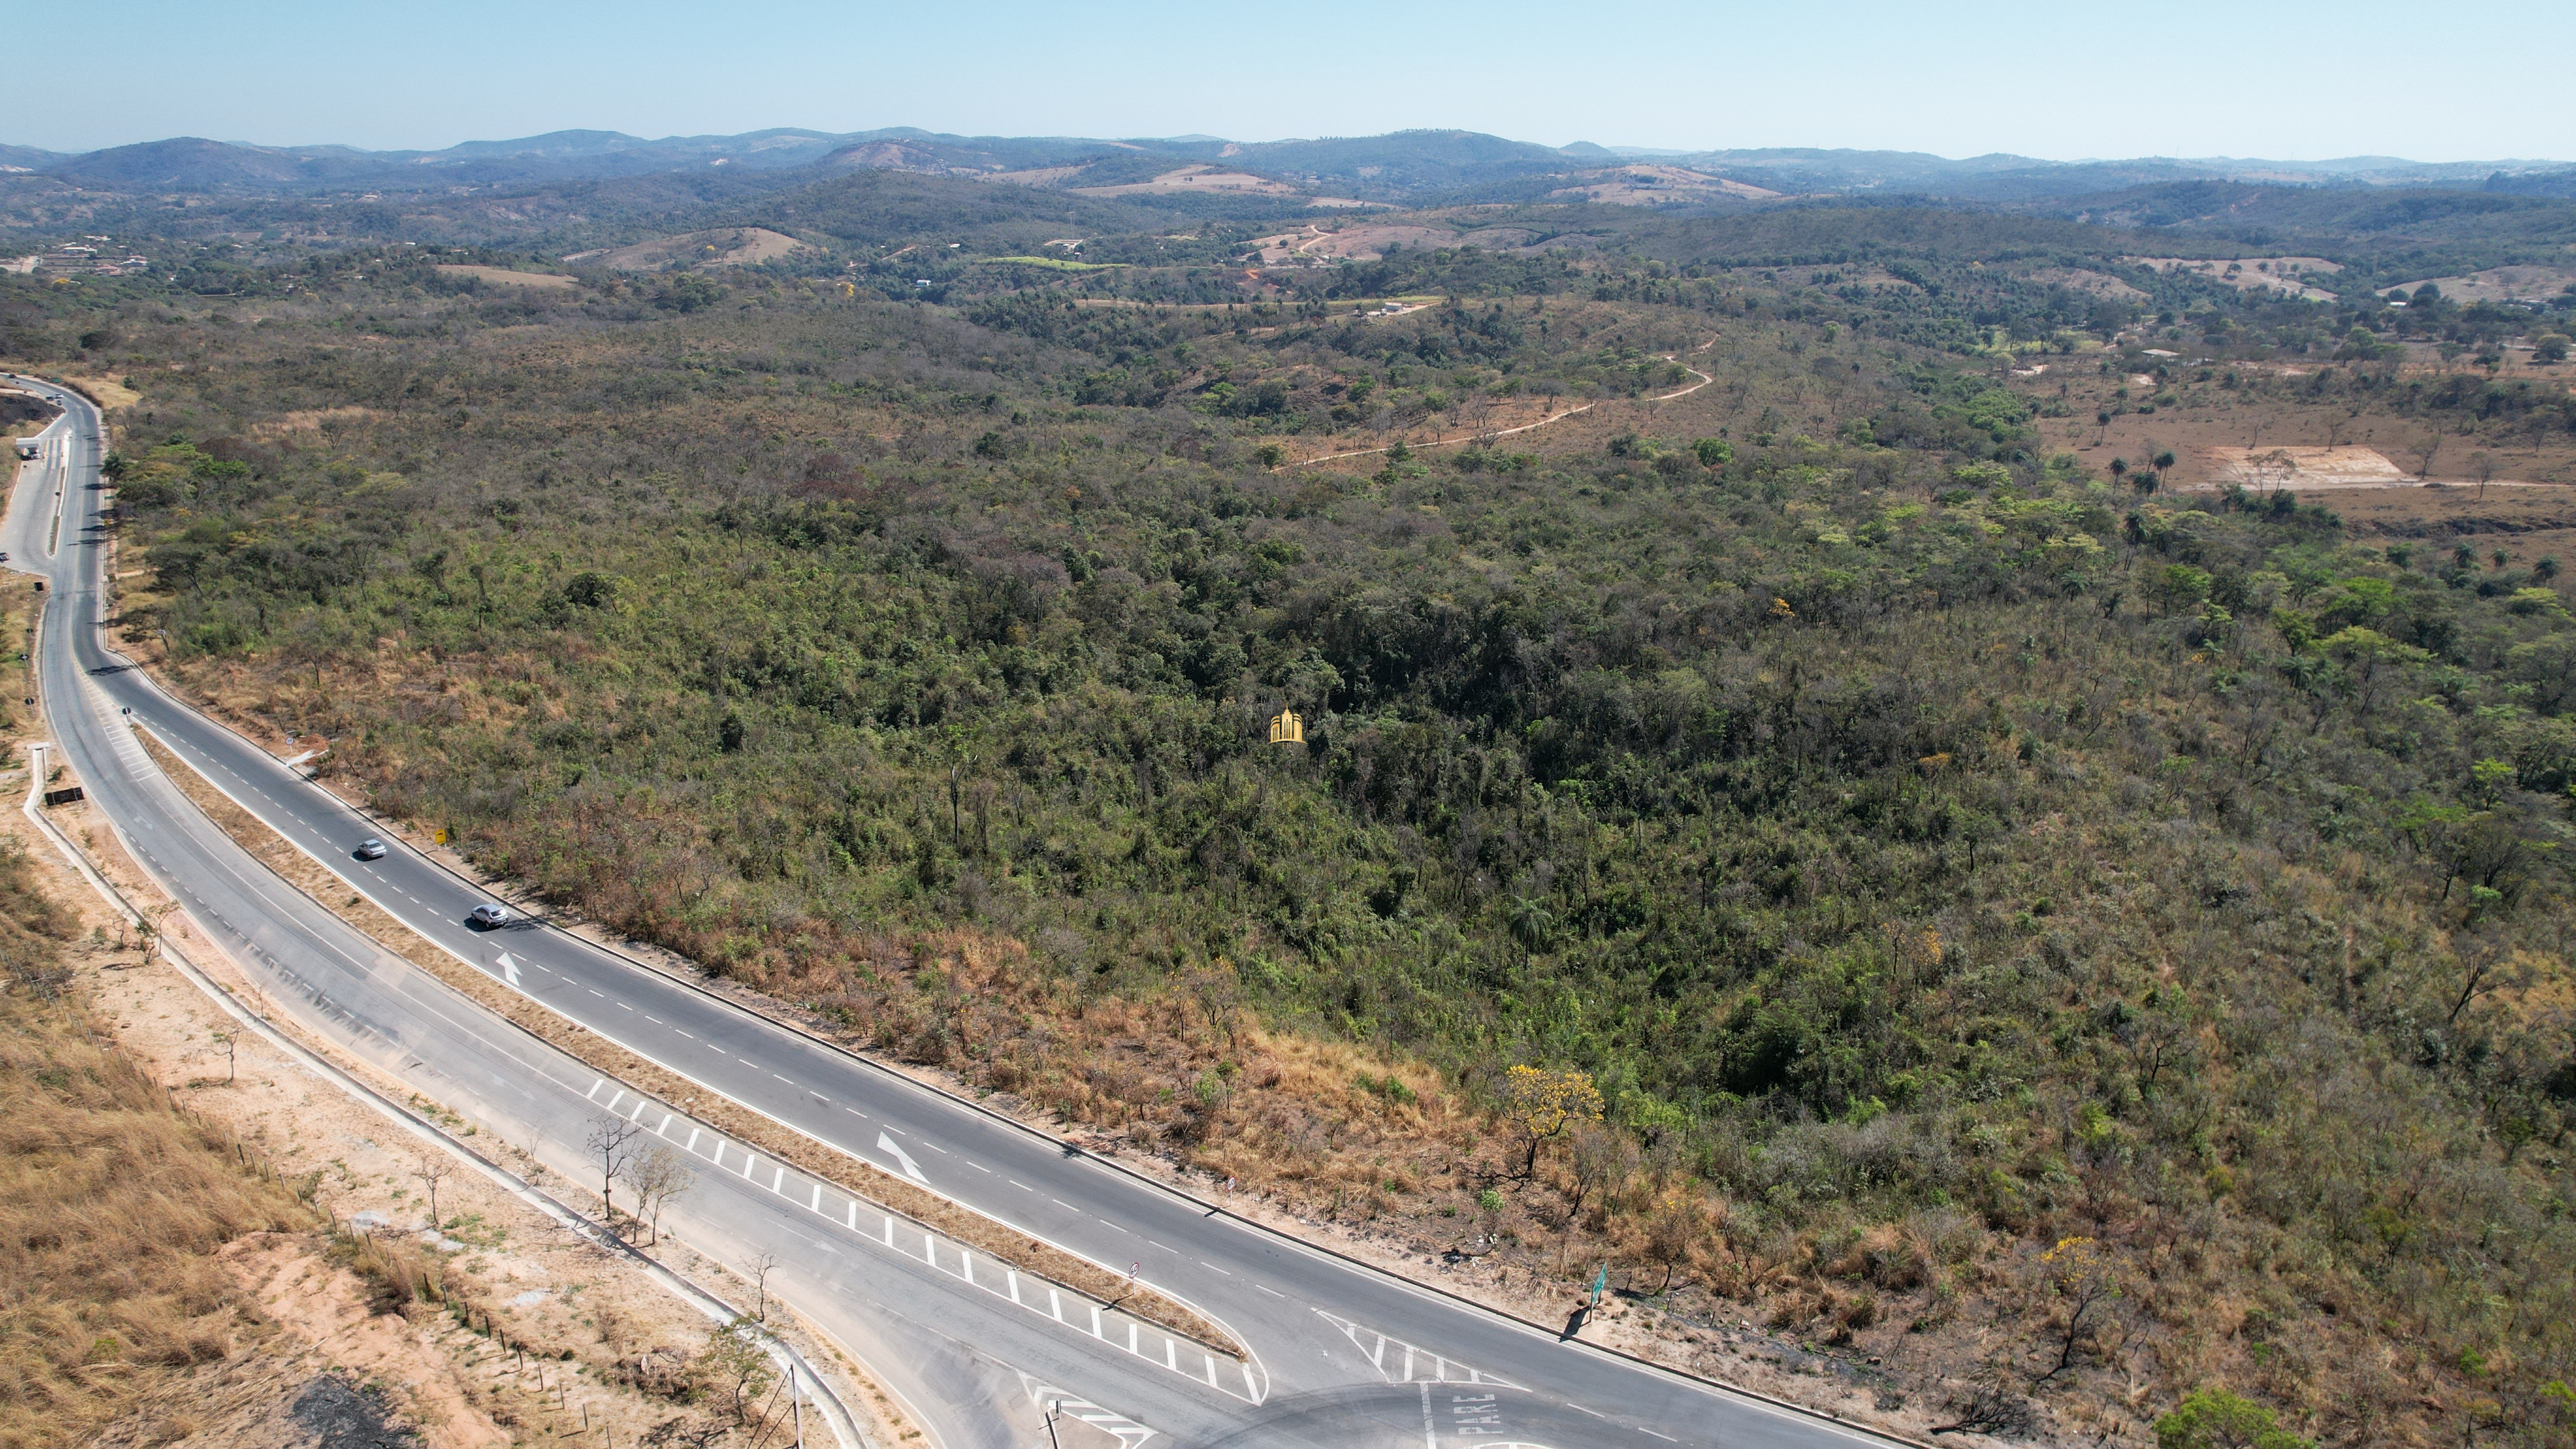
[(1649, 185), (1367, 243), (504, 276), (726, 247), (2303, 468), (2504, 284), (1196, 178), (2089, 282), (1058, 264), (2246, 274)]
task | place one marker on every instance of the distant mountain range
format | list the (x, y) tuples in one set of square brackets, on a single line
[(1406, 167)]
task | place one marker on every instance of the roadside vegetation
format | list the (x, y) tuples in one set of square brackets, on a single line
[(2094, 952), (113, 1202)]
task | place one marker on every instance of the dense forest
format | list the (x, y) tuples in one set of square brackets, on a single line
[(2082, 943)]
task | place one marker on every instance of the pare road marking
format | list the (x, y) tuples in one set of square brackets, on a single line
[(911, 1169), (1052, 1401), (1399, 1362)]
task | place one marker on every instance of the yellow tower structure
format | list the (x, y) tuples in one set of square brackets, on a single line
[(1287, 727)]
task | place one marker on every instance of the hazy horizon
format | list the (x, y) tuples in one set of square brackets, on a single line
[(2294, 80), (2211, 159)]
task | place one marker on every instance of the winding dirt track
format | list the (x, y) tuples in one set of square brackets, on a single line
[(1704, 380)]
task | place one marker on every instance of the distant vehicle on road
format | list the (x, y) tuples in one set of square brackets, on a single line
[(29, 447), (368, 849), (486, 916)]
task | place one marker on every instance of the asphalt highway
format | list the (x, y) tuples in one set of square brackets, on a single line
[(1341, 1355)]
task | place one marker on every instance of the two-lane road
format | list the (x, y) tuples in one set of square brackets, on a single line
[(1341, 1355)]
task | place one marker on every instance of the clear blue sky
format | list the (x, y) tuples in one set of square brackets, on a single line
[(2284, 80)]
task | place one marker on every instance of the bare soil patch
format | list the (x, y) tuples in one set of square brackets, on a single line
[(2304, 468)]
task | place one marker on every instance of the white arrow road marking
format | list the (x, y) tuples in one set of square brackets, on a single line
[(509, 969), (1049, 1398), (911, 1169), (1402, 1363)]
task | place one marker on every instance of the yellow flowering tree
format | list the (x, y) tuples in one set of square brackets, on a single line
[(1540, 1103)]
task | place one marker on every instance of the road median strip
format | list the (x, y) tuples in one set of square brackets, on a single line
[(853, 1175)]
